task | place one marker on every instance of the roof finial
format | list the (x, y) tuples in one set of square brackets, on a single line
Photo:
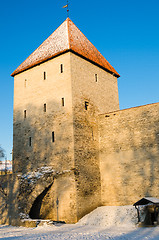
[(66, 6)]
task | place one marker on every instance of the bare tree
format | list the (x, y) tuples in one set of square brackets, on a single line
[(3, 159), (2, 153)]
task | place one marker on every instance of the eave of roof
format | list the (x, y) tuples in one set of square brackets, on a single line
[(67, 37), (147, 200)]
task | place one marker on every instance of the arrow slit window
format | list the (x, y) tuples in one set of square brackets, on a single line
[(63, 102), (24, 113), (53, 137), (44, 75), (30, 141), (96, 77), (44, 107), (61, 68)]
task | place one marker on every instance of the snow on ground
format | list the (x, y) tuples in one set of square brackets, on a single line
[(116, 223), (110, 216)]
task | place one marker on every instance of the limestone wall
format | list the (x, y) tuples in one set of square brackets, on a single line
[(31, 92), (9, 189), (75, 149), (38, 194), (35, 196), (101, 94), (129, 154)]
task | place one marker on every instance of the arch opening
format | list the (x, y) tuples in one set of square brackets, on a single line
[(36, 207)]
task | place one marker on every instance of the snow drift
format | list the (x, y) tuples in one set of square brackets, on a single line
[(108, 216)]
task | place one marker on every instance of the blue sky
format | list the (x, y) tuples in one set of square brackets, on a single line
[(126, 32)]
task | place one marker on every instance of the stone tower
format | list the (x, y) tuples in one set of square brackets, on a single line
[(58, 92)]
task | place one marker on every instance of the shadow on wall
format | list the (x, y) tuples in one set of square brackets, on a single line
[(43, 146), (41, 136), (8, 199), (86, 157), (129, 154)]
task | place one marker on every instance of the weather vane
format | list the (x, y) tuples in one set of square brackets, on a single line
[(66, 6)]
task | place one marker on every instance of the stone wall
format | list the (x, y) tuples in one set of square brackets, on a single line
[(101, 94), (129, 154), (9, 189), (39, 191), (31, 92), (73, 156), (35, 195)]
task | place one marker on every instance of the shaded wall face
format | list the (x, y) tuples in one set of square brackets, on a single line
[(9, 189), (94, 91), (43, 131), (129, 154), (39, 199), (43, 140)]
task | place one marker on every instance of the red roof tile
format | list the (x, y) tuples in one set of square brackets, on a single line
[(67, 37)]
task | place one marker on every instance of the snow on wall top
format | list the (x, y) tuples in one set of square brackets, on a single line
[(67, 37)]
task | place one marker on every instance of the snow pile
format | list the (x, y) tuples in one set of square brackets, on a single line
[(108, 216)]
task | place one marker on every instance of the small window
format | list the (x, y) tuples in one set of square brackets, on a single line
[(86, 105), (61, 68), (30, 142), (53, 137), (63, 102), (96, 78), (24, 113), (25, 83), (44, 75), (44, 107)]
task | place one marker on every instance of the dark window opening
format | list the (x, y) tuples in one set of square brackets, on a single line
[(86, 105), (96, 77), (44, 75), (61, 68), (53, 137), (63, 102), (44, 107), (30, 142), (24, 113)]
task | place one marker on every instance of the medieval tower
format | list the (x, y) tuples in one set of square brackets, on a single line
[(59, 90), (73, 149)]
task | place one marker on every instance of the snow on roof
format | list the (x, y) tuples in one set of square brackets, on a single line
[(147, 200), (67, 37)]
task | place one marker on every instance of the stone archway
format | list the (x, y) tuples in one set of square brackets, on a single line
[(36, 207)]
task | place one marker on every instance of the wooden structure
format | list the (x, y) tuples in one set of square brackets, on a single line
[(147, 210)]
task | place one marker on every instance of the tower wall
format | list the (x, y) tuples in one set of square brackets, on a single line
[(101, 94), (128, 152), (31, 92), (48, 152)]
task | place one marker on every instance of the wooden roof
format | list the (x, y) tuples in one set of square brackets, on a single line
[(147, 200), (67, 37)]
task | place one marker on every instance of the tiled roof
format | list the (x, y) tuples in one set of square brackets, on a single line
[(67, 37)]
